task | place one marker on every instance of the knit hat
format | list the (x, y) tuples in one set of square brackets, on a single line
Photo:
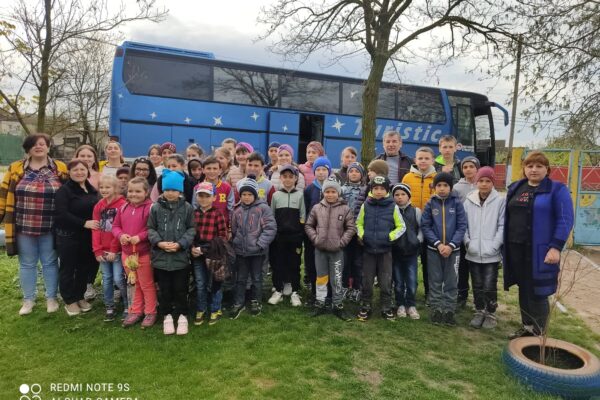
[(172, 180), (168, 145), (443, 177), (332, 183), (381, 180), (486, 172), (274, 144), (316, 146), (322, 162), (248, 184), (122, 170), (205, 187), (286, 147), (402, 186), (288, 167), (244, 145), (470, 159), (380, 167), (358, 166)]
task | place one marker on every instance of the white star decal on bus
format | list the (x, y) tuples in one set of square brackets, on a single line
[(187, 120), (285, 128), (353, 93), (254, 116), (218, 121), (153, 115), (120, 96), (338, 125)]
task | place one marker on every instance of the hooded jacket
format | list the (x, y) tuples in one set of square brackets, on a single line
[(462, 188), (351, 193), (102, 239), (330, 226), (132, 220), (379, 224), (404, 164), (290, 215), (253, 228), (444, 222), (485, 228), (420, 185), (456, 170)]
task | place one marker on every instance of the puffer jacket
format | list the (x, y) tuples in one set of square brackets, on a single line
[(330, 226), (485, 230), (444, 222), (379, 224), (171, 222), (420, 185), (253, 228)]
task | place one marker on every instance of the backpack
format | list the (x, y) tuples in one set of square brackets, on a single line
[(219, 259)]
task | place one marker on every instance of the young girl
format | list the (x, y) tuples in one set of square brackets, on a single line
[(225, 160), (114, 158), (242, 150), (313, 151), (349, 155), (285, 156), (106, 247), (143, 168), (130, 227), (194, 151), (155, 156), (195, 172)]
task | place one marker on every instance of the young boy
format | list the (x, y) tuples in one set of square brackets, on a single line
[(483, 240), (330, 226), (210, 224), (122, 175), (405, 253), (254, 167), (290, 215), (272, 153), (175, 162), (447, 161), (375, 168), (253, 228), (224, 197), (444, 224), (379, 224)]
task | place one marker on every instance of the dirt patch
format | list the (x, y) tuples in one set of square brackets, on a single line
[(373, 378), (264, 383)]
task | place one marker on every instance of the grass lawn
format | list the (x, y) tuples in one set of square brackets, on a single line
[(282, 354)]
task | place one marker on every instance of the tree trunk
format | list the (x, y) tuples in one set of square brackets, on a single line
[(45, 68), (370, 99)]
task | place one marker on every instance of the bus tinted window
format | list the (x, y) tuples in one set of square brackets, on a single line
[(166, 76), (245, 87), (309, 94), (386, 105), (352, 101), (420, 106)]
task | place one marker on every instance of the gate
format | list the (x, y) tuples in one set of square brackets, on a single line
[(587, 207)]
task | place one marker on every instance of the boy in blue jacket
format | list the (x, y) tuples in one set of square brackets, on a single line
[(444, 224)]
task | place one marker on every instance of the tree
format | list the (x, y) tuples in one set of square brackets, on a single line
[(384, 29), (39, 39)]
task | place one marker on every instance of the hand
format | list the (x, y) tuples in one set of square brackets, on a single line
[(196, 251), (92, 224), (125, 239), (110, 257), (100, 259), (163, 245), (134, 239), (552, 256)]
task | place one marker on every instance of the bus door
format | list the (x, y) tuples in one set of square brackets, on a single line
[(284, 128), (311, 129)]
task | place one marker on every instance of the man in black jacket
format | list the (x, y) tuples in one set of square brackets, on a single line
[(398, 162)]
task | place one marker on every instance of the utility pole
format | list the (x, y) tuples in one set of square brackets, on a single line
[(513, 114)]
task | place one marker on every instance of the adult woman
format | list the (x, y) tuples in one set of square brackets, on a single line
[(156, 158), (114, 158), (75, 202), (27, 207), (143, 167), (538, 221), (88, 155), (285, 155)]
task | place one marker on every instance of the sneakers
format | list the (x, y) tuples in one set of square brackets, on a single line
[(90, 292), (339, 312), (109, 315), (436, 317), (319, 309), (215, 317), (276, 298), (345, 292), (84, 305), (182, 325), (199, 318), (449, 318), (295, 300), (27, 307), (388, 314), (364, 314), (401, 312), (413, 313), (478, 319), (51, 305), (72, 309), (287, 289), (356, 295), (168, 326), (255, 308), (236, 311), (522, 332), (131, 320), (490, 321), (149, 320)]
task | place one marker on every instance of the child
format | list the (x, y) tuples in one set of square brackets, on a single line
[(272, 153), (330, 226), (351, 191), (313, 150), (122, 175), (237, 172), (224, 197), (210, 224), (166, 149), (447, 161), (285, 156), (375, 168), (349, 156), (485, 214), (194, 167), (405, 252), (229, 144), (444, 224), (225, 161), (255, 166), (130, 227), (114, 158), (290, 215), (171, 233), (175, 162), (194, 151), (379, 224), (106, 247), (253, 228)]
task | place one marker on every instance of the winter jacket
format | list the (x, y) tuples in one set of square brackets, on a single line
[(266, 189), (404, 164), (463, 188), (276, 180), (379, 224), (132, 220), (312, 195), (341, 175), (330, 226), (485, 228), (235, 174), (103, 240), (351, 192), (253, 228), (456, 171), (421, 185), (551, 218), (290, 214), (444, 222), (410, 243), (307, 170), (75, 206)]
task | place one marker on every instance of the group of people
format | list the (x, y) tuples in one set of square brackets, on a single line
[(225, 218)]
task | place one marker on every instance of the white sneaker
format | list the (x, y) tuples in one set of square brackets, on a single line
[(27, 307), (51, 305), (90, 292), (182, 325), (168, 327), (401, 312), (413, 313), (295, 299), (84, 305), (276, 298), (287, 289)]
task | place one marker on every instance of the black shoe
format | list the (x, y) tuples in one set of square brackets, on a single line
[(318, 309), (388, 314), (436, 317), (341, 313), (449, 318), (522, 332), (364, 314), (255, 308), (461, 303), (236, 311), (110, 315)]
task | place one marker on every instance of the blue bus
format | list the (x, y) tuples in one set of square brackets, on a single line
[(164, 94)]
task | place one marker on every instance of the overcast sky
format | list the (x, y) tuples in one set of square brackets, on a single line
[(229, 29)]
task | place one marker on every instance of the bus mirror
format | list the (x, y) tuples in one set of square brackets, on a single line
[(498, 106)]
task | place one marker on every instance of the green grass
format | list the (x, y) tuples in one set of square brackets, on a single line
[(282, 354)]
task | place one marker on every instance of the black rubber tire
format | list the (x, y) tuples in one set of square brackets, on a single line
[(581, 383)]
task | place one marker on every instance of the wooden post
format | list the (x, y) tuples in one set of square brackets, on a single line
[(516, 171)]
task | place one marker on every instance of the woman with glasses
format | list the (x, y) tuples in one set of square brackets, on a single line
[(144, 168)]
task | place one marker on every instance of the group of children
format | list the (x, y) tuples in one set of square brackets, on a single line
[(354, 225)]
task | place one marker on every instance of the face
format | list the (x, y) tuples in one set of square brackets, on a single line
[(288, 180), (247, 198), (171, 195), (311, 154), (241, 157), (254, 167), (123, 179), (212, 171), (485, 185), (442, 189), (401, 198), (196, 171), (191, 153), (424, 160), (155, 157), (106, 190), (354, 176), (447, 149), (79, 173), (347, 158), (113, 151), (40, 149), (392, 145), (321, 173), (165, 155), (173, 165), (284, 157), (469, 170), (142, 169), (224, 161), (136, 193), (205, 200), (330, 195), (535, 172), (87, 157), (371, 174), (230, 147), (378, 192), (273, 155)]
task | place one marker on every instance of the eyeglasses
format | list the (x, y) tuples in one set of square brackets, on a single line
[(142, 169)]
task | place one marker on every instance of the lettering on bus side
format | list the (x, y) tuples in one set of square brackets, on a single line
[(411, 133)]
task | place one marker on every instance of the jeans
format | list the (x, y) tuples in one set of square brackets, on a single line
[(380, 264), (405, 278), (443, 280), (534, 309), (245, 266), (329, 267), (205, 285), (485, 292), (113, 274), (31, 250)]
